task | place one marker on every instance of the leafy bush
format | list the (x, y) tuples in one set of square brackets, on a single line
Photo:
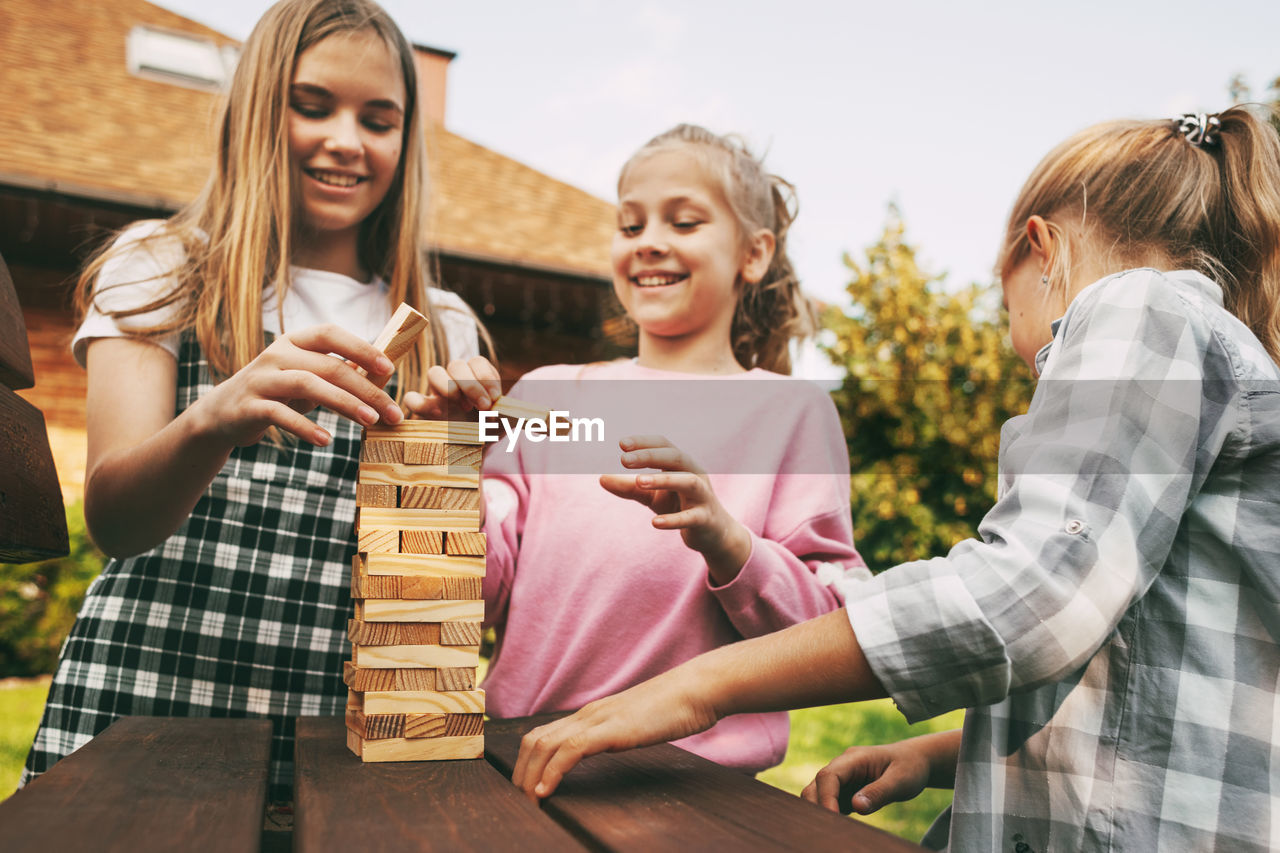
[(931, 377), (39, 601)]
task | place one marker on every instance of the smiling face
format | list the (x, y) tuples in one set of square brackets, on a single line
[(678, 252), (346, 114)]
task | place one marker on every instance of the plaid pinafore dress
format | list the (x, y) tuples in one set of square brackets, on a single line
[(240, 613)]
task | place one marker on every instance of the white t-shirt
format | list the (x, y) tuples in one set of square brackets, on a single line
[(138, 276)]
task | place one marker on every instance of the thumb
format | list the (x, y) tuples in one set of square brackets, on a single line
[(887, 788), (870, 798), (624, 486)]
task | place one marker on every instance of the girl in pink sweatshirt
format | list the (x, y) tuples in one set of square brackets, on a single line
[(727, 513)]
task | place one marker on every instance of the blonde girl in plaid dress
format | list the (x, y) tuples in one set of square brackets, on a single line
[(223, 434), (1115, 630)]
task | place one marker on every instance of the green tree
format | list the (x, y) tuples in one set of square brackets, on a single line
[(39, 601), (931, 377)]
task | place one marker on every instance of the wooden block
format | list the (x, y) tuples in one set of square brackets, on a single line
[(391, 474), (420, 565), (381, 726), (465, 543), (382, 450), (369, 494), (410, 678), (400, 633), (393, 586), (382, 610), (423, 702), (464, 455), (416, 749), (376, 726), (417, 519), (422, 542), (453, 432), (363, 680), (407, 657), (425, 453), (461, 588), (510, 408), (441, 497), (379, 540), (397, 337), (443, 725), (456, 678), (459, 633)]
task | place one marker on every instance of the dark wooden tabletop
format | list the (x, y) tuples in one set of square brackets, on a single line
[(655, 799), (664, 798), (342, 804), (148, 784)]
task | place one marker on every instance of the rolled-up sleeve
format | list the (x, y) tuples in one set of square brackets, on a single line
[(1095, 478)]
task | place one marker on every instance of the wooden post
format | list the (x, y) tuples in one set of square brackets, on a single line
[(33, 522)]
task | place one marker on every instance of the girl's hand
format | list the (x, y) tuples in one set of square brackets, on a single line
[(457, 390), (663, 708), (865, 778), (683, 499), (292, 376)]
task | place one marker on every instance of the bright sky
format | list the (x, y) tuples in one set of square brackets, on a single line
[(940, 106)]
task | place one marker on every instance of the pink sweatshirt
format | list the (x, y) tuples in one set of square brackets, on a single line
[(588, 598)]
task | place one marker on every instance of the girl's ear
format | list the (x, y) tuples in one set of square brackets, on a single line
[(759, 255), (1042, 241)]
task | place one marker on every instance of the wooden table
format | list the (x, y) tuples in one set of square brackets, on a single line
[(654, 799), (148, 783), (195, 784)]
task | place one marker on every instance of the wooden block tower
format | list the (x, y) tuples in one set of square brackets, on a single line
[(415, 638)]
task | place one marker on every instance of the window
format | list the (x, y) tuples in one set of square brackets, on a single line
[(178, 58)]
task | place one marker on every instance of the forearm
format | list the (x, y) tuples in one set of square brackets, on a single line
[(136, 497), (818, 662)]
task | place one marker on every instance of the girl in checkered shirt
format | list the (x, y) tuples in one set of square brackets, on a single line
[(1115, 630), (223, 437)]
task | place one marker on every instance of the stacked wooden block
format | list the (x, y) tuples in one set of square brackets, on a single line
[(415, 638)]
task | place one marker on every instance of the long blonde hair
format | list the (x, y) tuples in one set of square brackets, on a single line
[(1142, 190), (237, 235), (772, 311)]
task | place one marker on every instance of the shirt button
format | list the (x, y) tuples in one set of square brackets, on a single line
[(1074, 526)]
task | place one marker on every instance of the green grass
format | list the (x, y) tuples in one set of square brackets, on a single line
[(817, 736), (21, 704), (820, 734)]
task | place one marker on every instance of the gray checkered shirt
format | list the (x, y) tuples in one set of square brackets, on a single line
[(1114, 632)]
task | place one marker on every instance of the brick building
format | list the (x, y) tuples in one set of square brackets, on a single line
[(107, 118)]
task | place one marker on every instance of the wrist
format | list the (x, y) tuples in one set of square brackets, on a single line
[(202, 433), (726, 559)]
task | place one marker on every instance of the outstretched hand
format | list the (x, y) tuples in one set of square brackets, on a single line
[(865, 778), (292, 376), (683, 499), (456, 390), (661, 709)]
